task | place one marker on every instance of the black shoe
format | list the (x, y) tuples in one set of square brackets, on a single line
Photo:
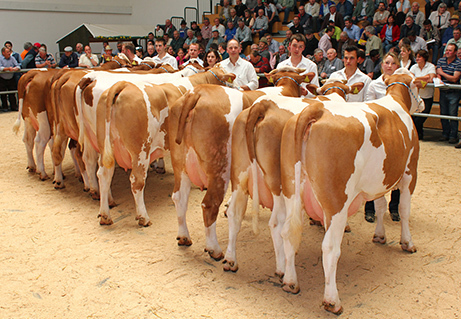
[(458, 145), (443, 139), (395, 215), (370, 216), (453, 140)]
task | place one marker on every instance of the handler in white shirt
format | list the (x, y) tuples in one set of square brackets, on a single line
[(352, 74), (245, 73), (297, 60), (377, 88), (162, 56)]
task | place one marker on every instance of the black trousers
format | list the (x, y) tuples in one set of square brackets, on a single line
[(8, 85)]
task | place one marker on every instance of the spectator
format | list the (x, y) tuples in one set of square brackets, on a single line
[(441, 18), (251, 4), (448, 33), (325, 40), (107, 55), (230, 31), (9, 45), (79, 49), (373, 42), (456, 38), (390, 34), (214, 39), (346, 8), (224, 11), (248, 19), (263, 49), (324, 10), (319, 60), (170, 50), (246, 76), (189, 40), (312, 9), (334, 17), (150, 37), (192, 54), (297, 27), (406, 56), (402, 8), (69, 59), (380, 17), (240, 8), (280, 56), (376, 60), (162, 56), (200, 40), (206, 29), (167, 39), (426, 70), (253, 47), (364, 10), (233, 17), (311, 43), (119, 47), (7, 81), (194, 27), (139, 52), (29, 60), (458, 11), (286, 41), (218, 26), (44, 59), (344, 42), (271, 13), (168, 28), (211, 58), (352, 74), (417, 15), (259, 5), (304, 18), (353, 31), (332, 64), (128, 49), (416, 43), (297, 60), (150, 52), (261, 24), (286, 6), (243, 35), (89, 59), (449, 70), (222, 50), (431, 6), (409, 25), (182, 30), (260, 63), (27, 47), (273, 45), (429, 33), (177, 42)]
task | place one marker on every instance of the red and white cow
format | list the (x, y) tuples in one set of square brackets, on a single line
[(132, 124), (200, 125), (337, 155), (256, 137)]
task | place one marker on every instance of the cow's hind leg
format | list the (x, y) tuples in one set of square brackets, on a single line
[(105, 175), (180, 198), (138, 183), (28, 139), (276, 223), (404, 209), (90, 158), (210, 206), (235, 213), (380, 207), (41, 140)]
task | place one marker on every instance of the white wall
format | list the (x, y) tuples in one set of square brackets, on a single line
[(46, 21)]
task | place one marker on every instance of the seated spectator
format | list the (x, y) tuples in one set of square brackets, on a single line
[(325, 40), (168, 28), (200, 40), (243, 35), (88, 60), (263, 48), (311, 43), (139, 52), (253, 47), (79, 49), (258, 6), (364, 10), (346, 8), (390, 34), (261, 65), (44, 59), (417, 15), (224, 11), (230, 31), (441, 18), (456, 38), (211, 58), (119, 47), (416, 43), (373, 42), (304, 18), (182, 30), (206, 29), (319, 60), (218, 26), (271, 13), (170, 50), (332, 64), (447, 34), (7, 81), (251, 4), (324, 10), (402, 8), (177, 42), (222, 49), (189, 40), (286, 6), (9, 45), (194, 27), (69, 59), (343, 43), (240, 8), (233, 17), (429, 33), (353, 31), (214, 39), (248, 19), (278, 57), (335, 17), (376, 59), (406, 57), (150, 37), (150, 52), (29, 60), (364, 63), (409, 25), (107, 55), (27, 47), (380, 17), (431, 6), (261, 24), (286, 41), (296, 27), (273, 45)]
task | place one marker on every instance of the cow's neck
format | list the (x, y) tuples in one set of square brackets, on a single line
[(401, 94), (289, 87)]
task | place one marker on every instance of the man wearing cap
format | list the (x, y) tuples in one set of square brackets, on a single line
[(107, 55), (69, 59), (334, 16), (88, 60), (7, 82), (245, 73), (29, 60), (448, 33), (182, 30), (263, 48), (206, 29), (297, 60), (243, 35), (216, 38), (163, 56)]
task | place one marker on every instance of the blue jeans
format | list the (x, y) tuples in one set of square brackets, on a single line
[(287, 13), (449, 103), (435, 52)]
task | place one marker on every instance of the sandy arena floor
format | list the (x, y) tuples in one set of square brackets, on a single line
[(56, 261)]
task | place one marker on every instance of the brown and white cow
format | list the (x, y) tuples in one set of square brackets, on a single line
[(256, 137), (337, 155), (200, 126), (132, 124)]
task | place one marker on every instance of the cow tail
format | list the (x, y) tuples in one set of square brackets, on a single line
[(108, 152), (188, 101), (255, 115), (22, 87), (17, 123), (84, 83)]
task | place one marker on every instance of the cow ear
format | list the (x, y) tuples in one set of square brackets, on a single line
[(180, 67), (356, 88), (309, 77), (420, 83), (269, 77), (228, 77), (312, 88)]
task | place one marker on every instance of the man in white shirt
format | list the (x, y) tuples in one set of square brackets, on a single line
[(218, 26), (245, 73), (88, 59), (416, 43), (193, 54), (162, 56), (129, 50), (297, 60), (352, 74)]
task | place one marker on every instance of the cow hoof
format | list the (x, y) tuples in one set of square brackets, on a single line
[(94, 195), (347, 229), (86, 189), (31, 169), (406, 247), (160, 170), (379, 239), (279, 275), (215, 256), (44, 177), (291, 288), (184, 241), (59, 185), (230, 265), (332, 308), (105, 220), (112, 204), (143, 221)]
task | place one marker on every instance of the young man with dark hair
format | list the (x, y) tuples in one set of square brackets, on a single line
[(163, 56)]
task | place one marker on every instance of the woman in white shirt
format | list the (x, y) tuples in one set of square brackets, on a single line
[(377, 90), (424, 69), (406, 57)]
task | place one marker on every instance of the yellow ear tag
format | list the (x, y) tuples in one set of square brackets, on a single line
[(423, 83), (229, 80), (271, 79), (356, 90), (307, 80), (134, 63)]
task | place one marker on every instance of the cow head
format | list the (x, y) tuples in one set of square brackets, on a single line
[(337, 86), (193, 67), (402, 85), (222, 75), (289, 73)]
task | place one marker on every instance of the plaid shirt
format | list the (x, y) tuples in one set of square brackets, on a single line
[(40, 60)]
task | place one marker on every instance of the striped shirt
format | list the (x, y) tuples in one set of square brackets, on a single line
[(449, 68), (40, 60)]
